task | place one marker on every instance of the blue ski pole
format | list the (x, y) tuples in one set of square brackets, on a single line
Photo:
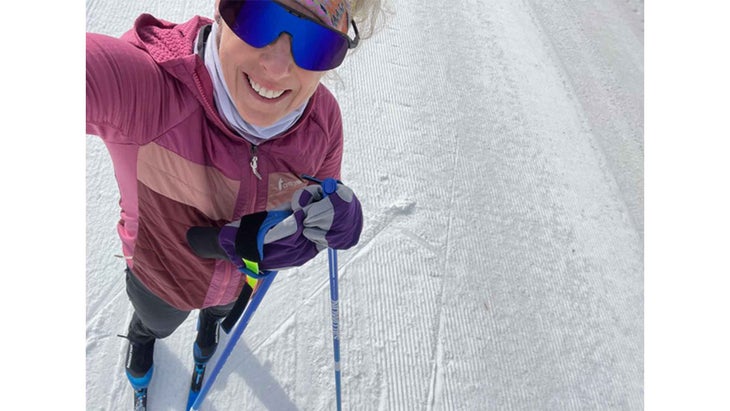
[(258, 295), (329, 186), (332, 254)]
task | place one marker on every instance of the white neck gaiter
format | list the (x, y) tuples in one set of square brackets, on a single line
[(227, 108)]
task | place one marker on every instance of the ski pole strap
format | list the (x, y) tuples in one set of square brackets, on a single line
[(250, 269), (238, 307), (252, 282), (240, 304)]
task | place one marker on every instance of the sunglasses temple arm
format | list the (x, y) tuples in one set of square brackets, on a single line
[(354, 42)]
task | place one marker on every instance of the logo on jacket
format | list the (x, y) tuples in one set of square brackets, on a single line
[(289, 185), (281, 187)]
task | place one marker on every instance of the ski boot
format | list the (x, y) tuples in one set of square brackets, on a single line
[(204, 347), (139, 368)]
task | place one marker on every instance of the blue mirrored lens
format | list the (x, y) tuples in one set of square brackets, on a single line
[(319, 49), (259, 23)]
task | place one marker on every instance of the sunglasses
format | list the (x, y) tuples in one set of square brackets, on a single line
[(314, 46)]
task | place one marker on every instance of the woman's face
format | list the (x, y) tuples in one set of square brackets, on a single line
[(265, 83)]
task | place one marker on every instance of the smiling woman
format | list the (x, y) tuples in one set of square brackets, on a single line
[(212, 124), (273, 54), (262, 78)]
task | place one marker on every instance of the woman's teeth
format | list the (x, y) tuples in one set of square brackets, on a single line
[(264, 92)]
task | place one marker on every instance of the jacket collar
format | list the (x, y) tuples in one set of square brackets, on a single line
[(172, 47)]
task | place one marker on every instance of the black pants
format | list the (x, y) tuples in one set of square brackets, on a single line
[(153, 317)]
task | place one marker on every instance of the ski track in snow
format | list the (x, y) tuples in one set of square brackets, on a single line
[(497, 149)]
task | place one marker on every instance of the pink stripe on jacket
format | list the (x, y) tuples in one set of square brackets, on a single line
[(150, 99)]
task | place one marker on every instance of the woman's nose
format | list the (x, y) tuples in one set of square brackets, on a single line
[(276, 57)]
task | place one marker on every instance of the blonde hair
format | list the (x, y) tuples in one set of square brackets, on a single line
[(369, 15)]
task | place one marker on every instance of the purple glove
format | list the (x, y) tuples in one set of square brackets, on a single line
[(334, 221), (278, 239), (243, 241)]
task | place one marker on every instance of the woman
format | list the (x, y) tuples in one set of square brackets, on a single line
[(213, 124)]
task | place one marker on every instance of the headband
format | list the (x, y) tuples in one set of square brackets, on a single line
[(330, 11)]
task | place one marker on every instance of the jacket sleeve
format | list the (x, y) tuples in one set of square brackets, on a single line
[(125, 92)]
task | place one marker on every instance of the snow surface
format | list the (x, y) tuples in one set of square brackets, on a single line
[(497, 148)]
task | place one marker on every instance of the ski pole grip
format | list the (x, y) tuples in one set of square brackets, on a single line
[(329, 184)]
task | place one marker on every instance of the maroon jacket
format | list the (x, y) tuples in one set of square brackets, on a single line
[(150, 99)]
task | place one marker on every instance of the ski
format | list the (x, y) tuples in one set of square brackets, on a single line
[(196, 383), (140, 399)]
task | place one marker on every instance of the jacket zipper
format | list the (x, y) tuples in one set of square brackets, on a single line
[(255, 161)]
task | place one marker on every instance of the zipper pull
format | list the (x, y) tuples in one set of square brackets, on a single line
[(254, 162)]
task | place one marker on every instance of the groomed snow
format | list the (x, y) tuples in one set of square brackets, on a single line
[(497, 148)]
